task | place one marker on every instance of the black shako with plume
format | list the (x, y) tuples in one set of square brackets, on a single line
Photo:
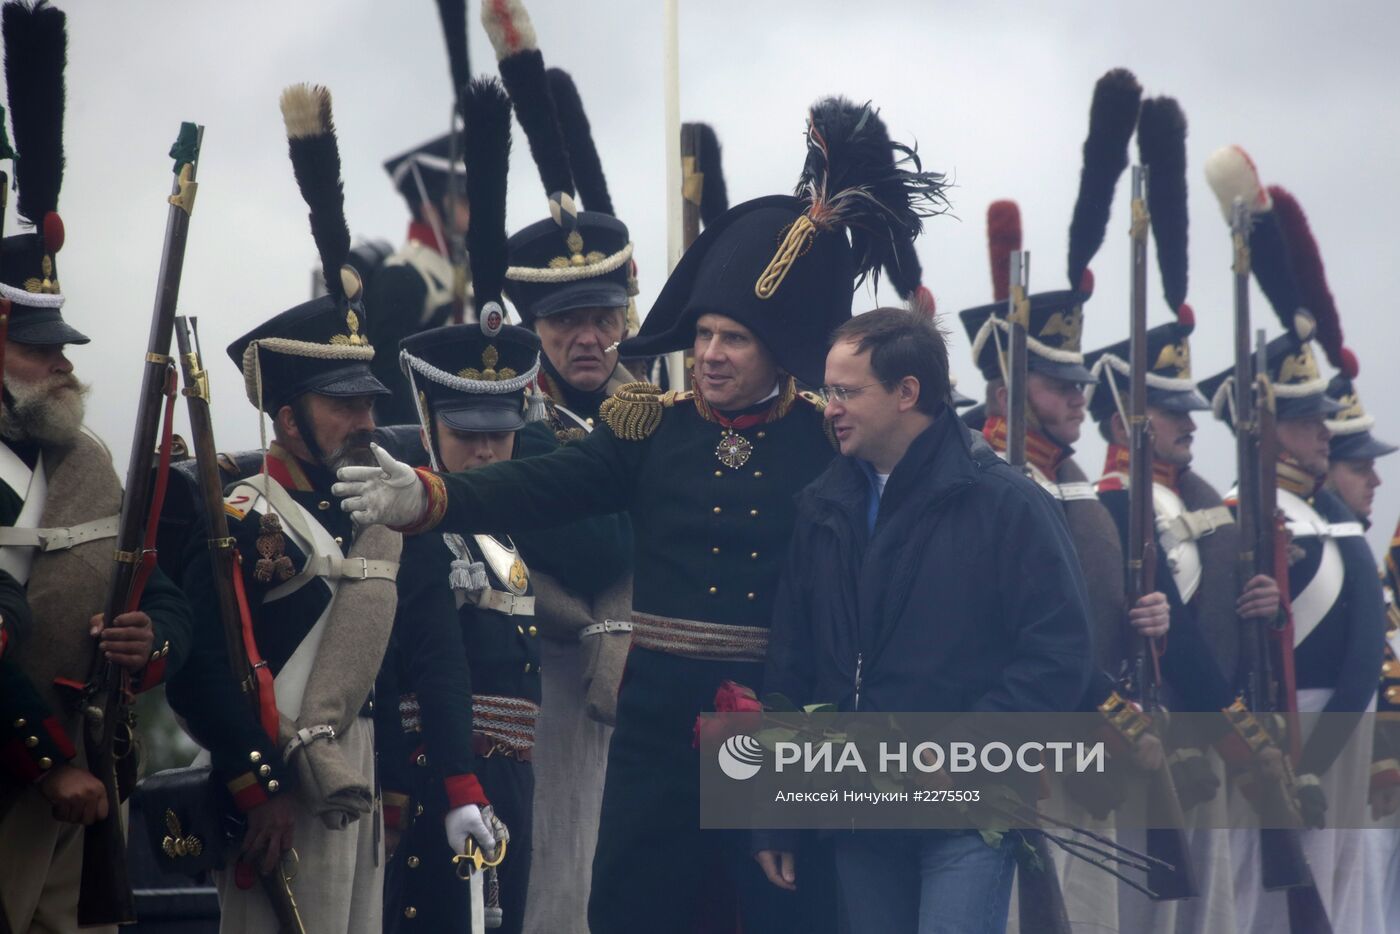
[(317, 346), (786, 266), (714, 196), (36, 51)]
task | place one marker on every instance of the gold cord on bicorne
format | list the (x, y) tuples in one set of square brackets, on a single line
[(796, 242)]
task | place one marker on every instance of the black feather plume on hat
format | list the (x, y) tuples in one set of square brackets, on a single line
[(1112, 117), (486, 113), (524, 77), (714, 197), (854, 179), (306, 111), (36, 46), (587, 168), (1162, 148), (453, 14), (507, 24)]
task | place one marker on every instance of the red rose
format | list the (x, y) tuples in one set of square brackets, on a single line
[(731, 697)]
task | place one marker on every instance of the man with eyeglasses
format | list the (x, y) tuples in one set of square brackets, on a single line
[(899, 595)]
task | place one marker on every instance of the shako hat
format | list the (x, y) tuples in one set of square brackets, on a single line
[(36, 45), (471, 378), (1298, 387), (1351, 427)]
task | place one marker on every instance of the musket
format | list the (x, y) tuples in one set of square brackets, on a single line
[(1041, 897), (1171, 876), (105, 895), (1283, 865), (252, 674), (1018, 319)]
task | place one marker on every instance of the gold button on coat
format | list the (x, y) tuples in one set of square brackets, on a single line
[(714, 590), (414, 862), (273, 785)]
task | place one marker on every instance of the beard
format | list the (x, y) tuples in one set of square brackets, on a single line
[(353, 452), (48, 412)]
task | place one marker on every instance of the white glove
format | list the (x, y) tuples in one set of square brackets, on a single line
[(470, 821), (390, 494)]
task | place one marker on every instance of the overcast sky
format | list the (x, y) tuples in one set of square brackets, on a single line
[(995, 94)]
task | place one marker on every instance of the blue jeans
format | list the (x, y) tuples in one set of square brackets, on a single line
[(935, 882)]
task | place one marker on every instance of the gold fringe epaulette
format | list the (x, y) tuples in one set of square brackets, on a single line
[(634, 411), (812, 399)]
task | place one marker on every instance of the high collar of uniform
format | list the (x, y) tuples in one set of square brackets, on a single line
[(1120, 459), (293, 473), (1293, 478), (769, 409), (562, 392), (1042, 453), (420, 232)]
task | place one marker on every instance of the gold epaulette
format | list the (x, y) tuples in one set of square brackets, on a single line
[(812, 399), (634, 411)]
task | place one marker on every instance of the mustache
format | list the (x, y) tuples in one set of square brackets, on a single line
[(354, 450)]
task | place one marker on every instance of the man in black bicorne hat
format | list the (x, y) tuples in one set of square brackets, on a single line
[(755, 298)]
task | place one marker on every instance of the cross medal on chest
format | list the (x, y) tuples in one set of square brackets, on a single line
[(733, 449)]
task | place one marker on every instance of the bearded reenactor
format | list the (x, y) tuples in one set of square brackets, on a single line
[(1197, 542), (1055, 412), (1337, 627), (60, 498), (580, 312), (417, 287), (754, 297), (321, 595)]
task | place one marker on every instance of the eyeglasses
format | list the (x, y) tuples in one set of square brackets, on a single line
[(831, 394)]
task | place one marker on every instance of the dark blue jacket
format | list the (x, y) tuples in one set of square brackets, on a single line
[(966, 596)]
